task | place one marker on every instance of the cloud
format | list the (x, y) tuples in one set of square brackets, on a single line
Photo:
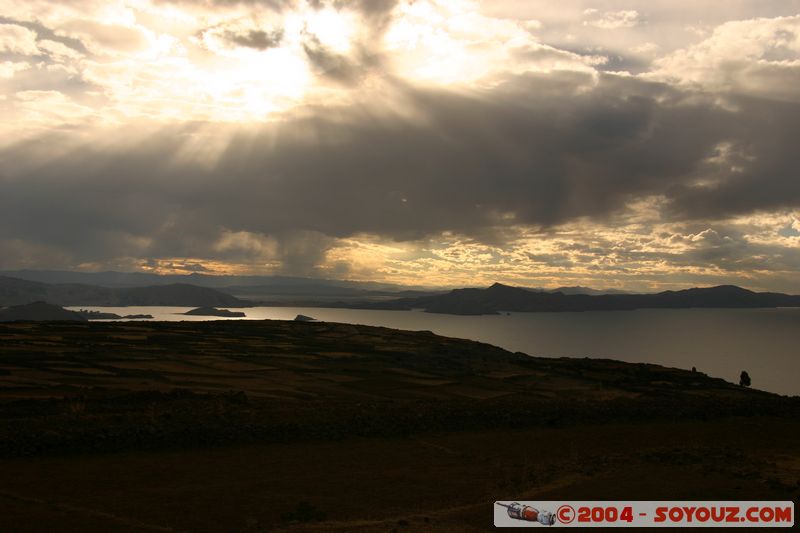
[(638, 250), (242, 32), (40, 108), (612, 20), (103, 38), (218, 4), (765, 179), (757, 57), (379, 138), (58, 50), (9, 68), (539, 150), (15, 39), (337, 67), (258, 39)]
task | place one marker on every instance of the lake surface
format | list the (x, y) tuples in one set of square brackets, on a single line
[(719, 342)]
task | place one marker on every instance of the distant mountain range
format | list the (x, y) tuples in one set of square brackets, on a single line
[(15, 291), (585, 290), (139, 279), (275, 289), (363, 295), (499, 298)]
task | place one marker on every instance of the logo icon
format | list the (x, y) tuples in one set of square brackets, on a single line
[(527, 513)]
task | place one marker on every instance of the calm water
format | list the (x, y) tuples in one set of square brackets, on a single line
[(719, 342)]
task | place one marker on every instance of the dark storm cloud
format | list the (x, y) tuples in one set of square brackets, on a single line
[(345, 69), (376, 12), (372, 7), (258, 39), (300, 252), (538, 150), (769, 179)]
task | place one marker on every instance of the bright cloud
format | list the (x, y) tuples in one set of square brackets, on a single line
[(612, 20), (15, 39), (760, 56)]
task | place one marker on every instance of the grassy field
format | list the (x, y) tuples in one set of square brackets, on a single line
[(262, 426)]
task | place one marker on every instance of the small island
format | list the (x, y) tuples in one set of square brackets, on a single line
[(101, 315), (213, 311)]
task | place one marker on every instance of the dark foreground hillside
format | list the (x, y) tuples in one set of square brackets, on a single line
[(253, 426)]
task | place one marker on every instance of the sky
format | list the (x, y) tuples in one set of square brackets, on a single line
[(615, 144)]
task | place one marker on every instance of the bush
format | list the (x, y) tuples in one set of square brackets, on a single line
[(744, 379)]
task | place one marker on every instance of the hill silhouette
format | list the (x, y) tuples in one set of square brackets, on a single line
[(38, 311), (499, 297), (15, 291)]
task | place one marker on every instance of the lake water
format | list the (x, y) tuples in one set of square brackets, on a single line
[(719, 342)]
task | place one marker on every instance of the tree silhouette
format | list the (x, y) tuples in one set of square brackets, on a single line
[(744, 379)]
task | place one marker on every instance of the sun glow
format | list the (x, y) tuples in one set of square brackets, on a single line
[(452, 43), (223, 73), (333, 29), (251, 84), (244, 83), (245, 64)]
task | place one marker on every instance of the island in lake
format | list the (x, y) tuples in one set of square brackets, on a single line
[(212, 311), (103, 315)]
